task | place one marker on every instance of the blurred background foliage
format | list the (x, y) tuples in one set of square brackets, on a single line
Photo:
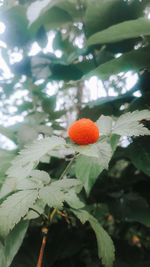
[(62, 60)]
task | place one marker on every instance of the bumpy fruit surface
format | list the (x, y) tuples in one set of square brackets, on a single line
[(84, 132)]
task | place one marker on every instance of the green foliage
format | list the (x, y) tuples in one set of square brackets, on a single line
[(128, 124), (138, 153), (122, 31), (12, 243), (104, 242), (51, 19), (30, 156), (45, 179), (133, 60), (54, 194), (105, 124), (14, 208), (87, 170)]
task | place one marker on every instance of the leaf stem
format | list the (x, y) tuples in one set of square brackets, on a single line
[(37, 212), (52, 215), (68, 166)]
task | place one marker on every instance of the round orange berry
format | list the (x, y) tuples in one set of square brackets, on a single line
[(84, 132)]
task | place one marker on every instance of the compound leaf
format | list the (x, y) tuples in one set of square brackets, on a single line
[(14, 208), (30, 156)]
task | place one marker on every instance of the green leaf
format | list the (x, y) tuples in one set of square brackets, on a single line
[(114, 142), (134, 60), (2, 256), (54, 194), (8, 133), (5, 158), (88, 150), (30, 156), (17, 33), (105, 245), (51, 19), (122, 31), (36, 180), (14, 208), (104, 124), (97, 14), (87, 170), (90, 165), (73, 200), (12, 243), (105, 154), (41, 37), (139, 153), (100, 15), (66, 184), (70, 6), (38, 206), (26, 134), (104, 242), (128, 123), (40, 177)]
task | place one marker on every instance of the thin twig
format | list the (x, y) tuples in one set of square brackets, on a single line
[(68, 166), (52, 215)]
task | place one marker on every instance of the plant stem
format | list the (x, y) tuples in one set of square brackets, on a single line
[(68, 166), (45, 232), (52, 215), (39, 264)]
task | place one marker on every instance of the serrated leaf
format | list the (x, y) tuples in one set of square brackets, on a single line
[(26, 135), (13, 184), (128, 124), (105, 154), (104, 124), (73, 200), (121, 31), (135, 115), (88, 150), (9, 186), (52, 196), (38, 206), (36, 180), (5, 158), (12, 243), (133, 129), (87, 170), (104, 242), (66, 184), (40, 177), (14, 208), (30, 156)]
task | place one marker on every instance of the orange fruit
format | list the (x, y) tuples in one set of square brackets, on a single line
[(84, 132)]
